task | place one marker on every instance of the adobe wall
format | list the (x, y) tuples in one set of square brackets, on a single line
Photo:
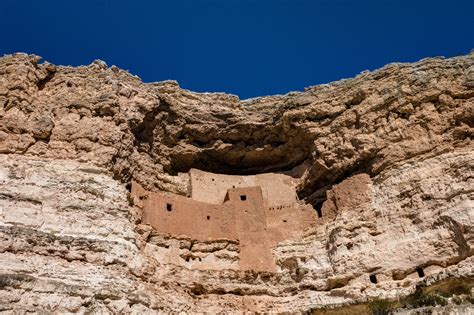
[(181, 216), (251, 226), (242, 216), (277, 189), (285, 222)]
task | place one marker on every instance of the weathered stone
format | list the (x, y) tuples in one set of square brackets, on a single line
[(386, 159)]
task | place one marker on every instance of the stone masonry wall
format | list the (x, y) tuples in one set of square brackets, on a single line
[(277, 189), (242, 216)]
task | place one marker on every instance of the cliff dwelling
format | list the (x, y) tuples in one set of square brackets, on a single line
[(102, 209), (256, 212)]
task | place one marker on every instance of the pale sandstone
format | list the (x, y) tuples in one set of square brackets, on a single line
[(386, 158)]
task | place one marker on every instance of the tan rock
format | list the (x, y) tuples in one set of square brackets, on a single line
[(386, 159)]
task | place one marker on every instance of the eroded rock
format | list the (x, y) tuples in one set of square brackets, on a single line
[(385, 160)]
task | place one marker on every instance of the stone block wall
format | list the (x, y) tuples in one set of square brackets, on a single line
[(277, 189), (243, 216)]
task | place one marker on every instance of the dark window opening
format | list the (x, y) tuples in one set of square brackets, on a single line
[(318, 206), (212, 179), (243, 197), (168, 207), (208, 217), (284, 221), (373, 278), (420, 272)]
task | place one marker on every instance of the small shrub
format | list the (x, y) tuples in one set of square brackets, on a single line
[(460, 288), (381, 307), (421, 299), (470, 299)]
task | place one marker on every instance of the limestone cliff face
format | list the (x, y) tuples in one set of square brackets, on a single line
[(386, 157)]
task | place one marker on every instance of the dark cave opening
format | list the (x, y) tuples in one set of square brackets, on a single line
[(373, 278), (420, 272), (314, 192), (238, 160), (237, 150), (318, 207)]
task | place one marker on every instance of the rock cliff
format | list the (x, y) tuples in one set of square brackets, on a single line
[(387, 155)]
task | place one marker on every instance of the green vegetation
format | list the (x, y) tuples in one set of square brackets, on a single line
[(381, 307), (456, 291), (421, 299)]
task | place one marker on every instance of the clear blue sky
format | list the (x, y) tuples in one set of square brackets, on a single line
[(244, 47)]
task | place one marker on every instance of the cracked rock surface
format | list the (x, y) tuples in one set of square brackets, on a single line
[(387, 154)]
